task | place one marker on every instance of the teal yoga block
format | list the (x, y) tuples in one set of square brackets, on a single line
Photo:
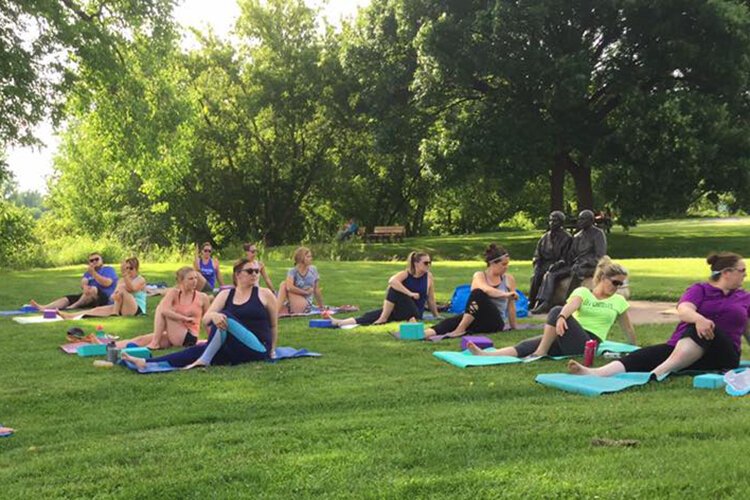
[(709, 381), (92, 350), (138, 352), (411, 331)]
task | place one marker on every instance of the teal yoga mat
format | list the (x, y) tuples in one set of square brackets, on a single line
[(589, 385), (465, 359)]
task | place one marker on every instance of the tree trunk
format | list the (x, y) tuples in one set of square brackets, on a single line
[(557, 183), (582, 179)]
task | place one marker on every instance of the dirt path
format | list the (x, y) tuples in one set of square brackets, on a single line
[(644, 312)]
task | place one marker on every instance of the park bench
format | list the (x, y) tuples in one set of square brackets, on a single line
[(387, 233)]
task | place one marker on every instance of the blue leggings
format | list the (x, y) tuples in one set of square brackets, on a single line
[(231, 352)]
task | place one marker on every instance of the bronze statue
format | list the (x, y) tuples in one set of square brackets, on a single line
[(588, 245), (551, 247)]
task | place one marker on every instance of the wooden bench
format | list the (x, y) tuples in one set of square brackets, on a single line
[(387, 233)]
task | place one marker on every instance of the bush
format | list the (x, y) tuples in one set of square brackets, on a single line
[(18, 245)]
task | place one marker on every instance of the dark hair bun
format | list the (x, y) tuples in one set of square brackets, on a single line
[(712, 257)]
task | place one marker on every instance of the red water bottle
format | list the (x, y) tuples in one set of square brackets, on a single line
[(588, 353)]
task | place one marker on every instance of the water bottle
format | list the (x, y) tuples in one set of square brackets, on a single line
[(112, 352), (588, 353), (100, 332)]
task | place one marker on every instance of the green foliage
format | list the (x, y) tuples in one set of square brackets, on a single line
[(18, 245)]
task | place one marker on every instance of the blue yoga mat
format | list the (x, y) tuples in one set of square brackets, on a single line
[(163, 366), (21, 310), (590, 385)]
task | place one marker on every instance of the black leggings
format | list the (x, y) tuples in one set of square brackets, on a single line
[(404, 308), (719, 354), (572, 343), (487, 317)]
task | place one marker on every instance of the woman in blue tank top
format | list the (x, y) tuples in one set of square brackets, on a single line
[(408, 292), (491, 304), (250, 305), (208, 267)]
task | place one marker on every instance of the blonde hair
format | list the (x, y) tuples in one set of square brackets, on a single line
[(183, 273), (606, 268), (133, 262), (299, 254), (413, 258)]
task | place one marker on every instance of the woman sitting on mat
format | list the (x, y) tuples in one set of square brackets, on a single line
[(301, 285), (253, 307), (208, 267), (587, 315), (491, 303), (406, 296), (178, 317), (129, 297), (713, 319), (251, 252)]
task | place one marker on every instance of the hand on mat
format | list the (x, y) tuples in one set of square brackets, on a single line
[(220, 320), (705, 328), (561, 326)]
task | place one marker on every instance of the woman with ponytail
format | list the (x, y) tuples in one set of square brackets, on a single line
[(713, 319), (588, 315), (408, 292), (492, 301)]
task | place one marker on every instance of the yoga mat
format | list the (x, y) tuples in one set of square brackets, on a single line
[(163, 366), (609, 346), (25, 309), (589, 385), (736, 383), (6, 431), (465, 359), (316, 311), (32, 320)]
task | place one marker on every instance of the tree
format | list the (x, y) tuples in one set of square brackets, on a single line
[(544, 85)]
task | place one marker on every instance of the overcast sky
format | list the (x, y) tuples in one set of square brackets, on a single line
[(32, 167)]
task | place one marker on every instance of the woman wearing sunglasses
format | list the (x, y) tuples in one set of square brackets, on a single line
[(408, 292), (251, 252), (713, 319), (492, 301), (208, 269), (128, 299), (588, 315), (253, 307)]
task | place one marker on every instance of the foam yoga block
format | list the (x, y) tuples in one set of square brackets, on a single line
[(138, 352), (92, 350), (709, 381), (411, 331), (321, 323), (49, 313), (480, 342)]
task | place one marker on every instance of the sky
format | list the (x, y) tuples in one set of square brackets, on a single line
[(32, 166)]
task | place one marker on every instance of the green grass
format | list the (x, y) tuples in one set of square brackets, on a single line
[(373, 417), (665, 238)]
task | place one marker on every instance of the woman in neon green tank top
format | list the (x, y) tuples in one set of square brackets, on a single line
[(588, 314)]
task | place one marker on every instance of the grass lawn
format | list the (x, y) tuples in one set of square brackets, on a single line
[(374, 417)]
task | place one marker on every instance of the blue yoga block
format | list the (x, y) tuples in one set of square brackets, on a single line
[(411, 331), (321, 323), (92, 350), (138, 352), (709, 381)]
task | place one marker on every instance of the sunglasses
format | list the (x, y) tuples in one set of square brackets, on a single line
[(253, 250), (427, 262), (95, 259), (207, 250), (252, 270), (742, 271), (617, 283)]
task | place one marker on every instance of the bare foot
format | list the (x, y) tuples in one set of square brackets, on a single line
[(139, 362), (197, 364), (577, 368), (476, 351), (33, 303)]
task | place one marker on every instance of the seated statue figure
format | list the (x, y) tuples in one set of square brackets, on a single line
[(588, 245), (552, 247)]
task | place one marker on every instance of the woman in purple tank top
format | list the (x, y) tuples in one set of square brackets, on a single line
[(208, 269), (713, 319)]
